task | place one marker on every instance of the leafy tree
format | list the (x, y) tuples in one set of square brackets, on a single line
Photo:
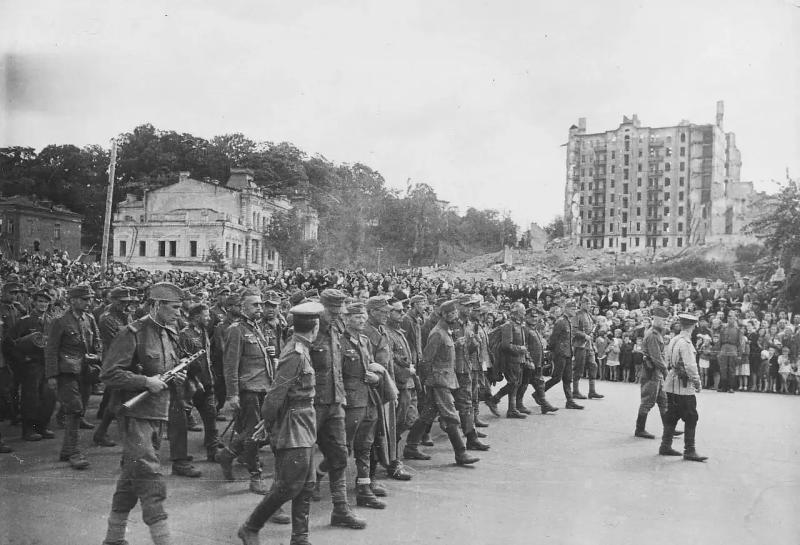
[(555, 229), (779, 226)]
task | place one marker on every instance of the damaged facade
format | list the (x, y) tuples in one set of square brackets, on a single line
[(641, 188)]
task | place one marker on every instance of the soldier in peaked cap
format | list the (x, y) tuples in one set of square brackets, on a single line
[(329, 403), (681, 385), (73, 349), (135, 362), (289, 414)]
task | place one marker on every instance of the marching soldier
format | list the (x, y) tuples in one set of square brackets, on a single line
[(289, 414), (71, 355), (361, 416), (439, 357), (329, 406), (112, 321), (480, 361), (681, 385), (38, 401), (378, 309), (583, 346), (514, 348), (654, 371), (192, 339), (249, 372), (11, 312), (412, 327), (404, 371), (466, 343), (273, 324), (560, 343), (219, 336), (135, 361), (532, 374)]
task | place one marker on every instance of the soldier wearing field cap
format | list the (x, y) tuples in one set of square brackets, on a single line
[(467, 346), (135, 362), (72, 352), (412, 326), (560, 344), (249, 372), (273, 324), (532, 374), (654, 371), (111, 322), (440, 380), (11, 312), (29, 339), (681, 385), (404, 371), (378, 310), (329, 404), (289, 415)]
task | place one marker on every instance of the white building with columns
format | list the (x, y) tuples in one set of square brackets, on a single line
[(175, 226)]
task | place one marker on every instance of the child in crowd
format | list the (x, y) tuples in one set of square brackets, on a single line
[(743, 368), (713, 364), (773, 370), (614, 347), (763, 371), (795, 378), (600, 345), (704, 353), (626, 358), (784, 369)]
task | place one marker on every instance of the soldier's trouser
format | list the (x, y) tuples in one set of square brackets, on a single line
[(38, 401), (294, 480), (727, 372), (439, 401), (584, 360), (205, 402), (462, 397), (652, 393), (141, 478), (562, 372), (406, 410), (247, 419), (681, 408), (360, 424), (480, 389), (69, 395), (332, 442)]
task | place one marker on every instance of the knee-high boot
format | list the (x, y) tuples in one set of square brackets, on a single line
[(459, 448), (666, 441), (689, 453), (301, 507)]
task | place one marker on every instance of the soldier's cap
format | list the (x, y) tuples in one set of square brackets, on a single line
[(196, 309), (165, 291), (397, 305), (272, 298), (122, 294), (534, 311), (660, 312), (417, 299), (297, 297), (43, 294), (312, 293), (250, 292), (400, 295), (222, 290), (570, 303), (468, 300), (80, 291), (447, 306), (332, 297), (484, 309), (11, 287), (309, 309), (377, 302), (356, 307), (687, 319)]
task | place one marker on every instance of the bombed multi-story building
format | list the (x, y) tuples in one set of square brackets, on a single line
[(639, 188)]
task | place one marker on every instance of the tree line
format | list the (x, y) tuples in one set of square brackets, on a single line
[(358, 213)]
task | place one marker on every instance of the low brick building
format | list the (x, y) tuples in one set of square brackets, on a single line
[(32, 226)]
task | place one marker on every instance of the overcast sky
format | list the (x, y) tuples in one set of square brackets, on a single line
[(472, 97)]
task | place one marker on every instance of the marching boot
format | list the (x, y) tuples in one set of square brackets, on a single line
[(462, 457), (512, 411), (492, 404), (248, 537), (641, 420), (666, 442), (520, 406), (576, 391), (257, 485), (159, 533), (473, 443), (343, 516), (301, 507), (477, 419), (117, 525), (415, 434), (426, 438), (689, 453), (29, 432), (592, 392), (365, 497), (225, 457), (377, 488), (544, 405)]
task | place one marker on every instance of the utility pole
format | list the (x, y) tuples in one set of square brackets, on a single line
[(379, 249), (109, 203)]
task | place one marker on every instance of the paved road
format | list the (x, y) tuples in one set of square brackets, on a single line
[(576, 477)]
